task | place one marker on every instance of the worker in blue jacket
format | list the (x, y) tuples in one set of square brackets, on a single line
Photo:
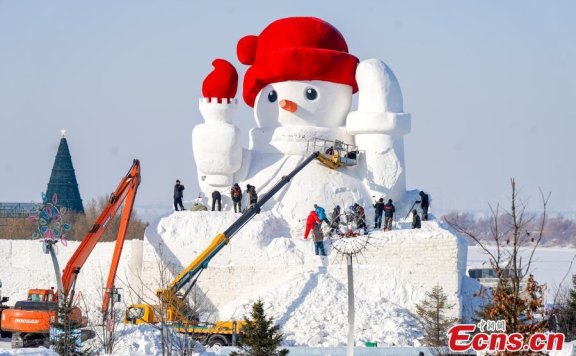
[(321, 214)]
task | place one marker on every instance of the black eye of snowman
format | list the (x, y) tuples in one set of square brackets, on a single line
[(311, 94), (272, 96)]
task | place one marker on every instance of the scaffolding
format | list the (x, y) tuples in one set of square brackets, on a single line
[(334, 153)]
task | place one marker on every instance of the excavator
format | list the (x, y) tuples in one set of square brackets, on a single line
[(174, 309), (29, 321)]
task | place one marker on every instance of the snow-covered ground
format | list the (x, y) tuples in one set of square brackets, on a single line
[(293, 301), (305, 294)]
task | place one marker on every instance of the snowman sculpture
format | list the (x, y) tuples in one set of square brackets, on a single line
[(300, 84)]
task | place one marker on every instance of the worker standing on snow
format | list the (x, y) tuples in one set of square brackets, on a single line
[(321, 214), (251, 190), (424, 204), (310, 222), (335, 217), (216, 198), (389, 210), (318, 239), (416, 223), (178, 195), (360, 216), (236, 194), (378, 209)]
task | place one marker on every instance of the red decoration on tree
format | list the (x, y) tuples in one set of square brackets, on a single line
[(222, 82)]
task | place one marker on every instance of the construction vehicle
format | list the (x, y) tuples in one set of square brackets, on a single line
[(174, 309), (29, 321), (2, 308), (334, 154)]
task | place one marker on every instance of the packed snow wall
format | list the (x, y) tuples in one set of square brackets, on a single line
[(25, 266), (269, 259)]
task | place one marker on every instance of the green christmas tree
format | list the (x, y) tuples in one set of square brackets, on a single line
[(63, 181), (432, 316), (261, 336), (567, 315), (66, 334)]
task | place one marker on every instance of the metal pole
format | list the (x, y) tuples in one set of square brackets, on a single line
[(50, 248), (350, 347)]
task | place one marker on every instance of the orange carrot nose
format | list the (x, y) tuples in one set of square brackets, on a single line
[(288, 105)]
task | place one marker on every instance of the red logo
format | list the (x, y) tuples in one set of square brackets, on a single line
[(462, 338)]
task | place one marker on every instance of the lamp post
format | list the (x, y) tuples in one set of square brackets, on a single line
[(348, 243)]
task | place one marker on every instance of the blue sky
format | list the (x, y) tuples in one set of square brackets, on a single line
[(491, 86)]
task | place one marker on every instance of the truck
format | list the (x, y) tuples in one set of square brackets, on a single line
[(174, 309), (29, 320)]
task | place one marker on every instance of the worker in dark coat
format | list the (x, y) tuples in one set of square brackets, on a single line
[(416, 223), (335, 219), (236, 195), (378, 209), (389, 210), (251, 190), (318, 237), (178, 195), (424, 204), (360, 217), (216, 198)]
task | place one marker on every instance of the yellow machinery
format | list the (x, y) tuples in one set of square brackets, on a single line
[(174, 309), (334, 154)]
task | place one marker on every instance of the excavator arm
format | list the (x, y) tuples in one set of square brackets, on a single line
[(169, 295), (126, 190), (30, 320)]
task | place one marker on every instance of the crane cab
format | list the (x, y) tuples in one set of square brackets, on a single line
[(42, 295), (140, 314), (334, 154)]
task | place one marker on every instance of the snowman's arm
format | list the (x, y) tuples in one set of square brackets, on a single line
[(380, 103), (217, 142), (378, 127)]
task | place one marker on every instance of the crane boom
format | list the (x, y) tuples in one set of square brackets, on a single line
[(126, 190), (202, 260)]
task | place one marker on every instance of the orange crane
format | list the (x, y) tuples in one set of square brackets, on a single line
[(29, 321)]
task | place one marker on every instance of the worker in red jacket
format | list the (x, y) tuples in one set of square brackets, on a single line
[(312, 219)]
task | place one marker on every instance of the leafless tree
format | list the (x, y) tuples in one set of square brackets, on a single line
[(105, 326), (172, 341), (517, 297)]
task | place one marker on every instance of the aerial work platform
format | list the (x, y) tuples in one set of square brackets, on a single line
[(334, 154)]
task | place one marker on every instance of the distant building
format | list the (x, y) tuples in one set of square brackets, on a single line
[(488, 278), (16, 211), (63, 180)]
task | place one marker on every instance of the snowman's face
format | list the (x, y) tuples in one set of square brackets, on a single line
[(303, 103)]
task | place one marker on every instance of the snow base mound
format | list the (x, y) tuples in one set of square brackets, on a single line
[(307, 294)]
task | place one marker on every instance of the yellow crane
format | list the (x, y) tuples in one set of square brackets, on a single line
[(174, 308)]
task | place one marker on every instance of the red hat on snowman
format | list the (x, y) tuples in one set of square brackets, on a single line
[(295, 48)]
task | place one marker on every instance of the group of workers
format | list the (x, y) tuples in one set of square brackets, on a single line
[(317, 216), (357, 215), (236, 194), (389, 209)]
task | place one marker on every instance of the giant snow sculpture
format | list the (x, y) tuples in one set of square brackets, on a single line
[(300, 82)]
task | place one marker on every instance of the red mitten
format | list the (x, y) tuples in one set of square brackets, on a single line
[(222, 82)]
